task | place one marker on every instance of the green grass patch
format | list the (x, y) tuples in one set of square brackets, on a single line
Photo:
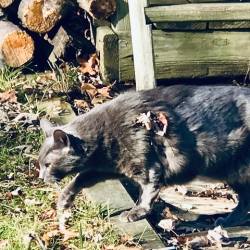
[(28, 215)]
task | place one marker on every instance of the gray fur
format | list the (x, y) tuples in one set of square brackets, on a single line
[(208, 135)]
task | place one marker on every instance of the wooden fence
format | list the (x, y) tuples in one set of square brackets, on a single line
[(163, 39)]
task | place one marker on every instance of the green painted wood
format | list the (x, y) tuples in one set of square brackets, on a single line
[(199, 12), (113, 192), (191, 54), (140, 230), (181, 26), (120, 20), (110, 191), (107, 45), (169, 2), (229, 25)]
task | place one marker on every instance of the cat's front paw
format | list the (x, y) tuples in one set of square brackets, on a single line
[(65, 200), (133, 215)]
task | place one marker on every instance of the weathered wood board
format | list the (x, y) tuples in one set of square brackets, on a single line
[(119, 200), (169, 2), (229, 25), (107, 45), (181, 25), (193, 207), (190, 54), (199, 12)]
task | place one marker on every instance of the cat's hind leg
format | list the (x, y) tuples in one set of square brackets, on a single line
[(239, 214)]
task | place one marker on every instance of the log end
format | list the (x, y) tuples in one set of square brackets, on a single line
[(17, 48), (5, 3), (38, 17), (102, 9)]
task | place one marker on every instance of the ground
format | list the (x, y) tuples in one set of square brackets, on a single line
[(28, 215)]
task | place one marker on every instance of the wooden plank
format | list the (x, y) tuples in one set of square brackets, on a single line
[(169, 2), (199, 12), (140, 230), (126, 62), (181, 25), (229, 25), (120, 20), (200, 205), (190, 54), (119, 200), (110, 191), (142, 46), (107, 45)]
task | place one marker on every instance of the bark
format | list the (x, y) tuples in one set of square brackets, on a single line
[(99, 9), (16, 46), (5, 3), (42, 15)]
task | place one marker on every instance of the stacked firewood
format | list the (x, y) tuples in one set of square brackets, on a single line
[(38, 18)]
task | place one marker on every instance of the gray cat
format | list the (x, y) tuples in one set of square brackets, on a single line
[(207, 135)]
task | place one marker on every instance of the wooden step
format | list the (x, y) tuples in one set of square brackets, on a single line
[(199, 12), (113, 192)]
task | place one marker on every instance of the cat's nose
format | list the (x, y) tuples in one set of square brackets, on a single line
[(41, 174)]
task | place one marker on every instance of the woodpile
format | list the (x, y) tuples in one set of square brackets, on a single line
[(24, 22)]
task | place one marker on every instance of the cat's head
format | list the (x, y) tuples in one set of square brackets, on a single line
[(60, 155)]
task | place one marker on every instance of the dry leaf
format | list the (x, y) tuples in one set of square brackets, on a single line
[(98, 100), (198, 241), (105, 91), (81, 104), (48, 214), (8, 96), (163, 119), (30, 202), (90, 66), (3, 243), (144, 119), (167, 224), (218, 236), (181, 190)]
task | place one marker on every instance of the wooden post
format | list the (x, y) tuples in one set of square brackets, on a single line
[(142, 45), (120, 20)]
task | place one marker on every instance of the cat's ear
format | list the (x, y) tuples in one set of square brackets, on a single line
[(47, 127), (61, 139)]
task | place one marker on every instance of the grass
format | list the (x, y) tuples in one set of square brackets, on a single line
[(27, 205)]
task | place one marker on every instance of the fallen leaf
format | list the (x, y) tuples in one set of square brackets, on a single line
[(144, 119), (198, 241), (8, 96), (48, 235), (48, 214), (81, 104), (167, 224), (30, 202), (98, 100), (90, 89), (3, 243), (218, 236), (163, 119), (181, 190), (9, 196), (89, 66), (105, 91)]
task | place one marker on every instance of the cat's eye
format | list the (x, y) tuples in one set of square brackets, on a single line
[(47, 165)]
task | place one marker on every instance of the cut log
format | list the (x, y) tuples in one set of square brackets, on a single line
[(99, 9), (5, 3), (42, 15), (16, 46)]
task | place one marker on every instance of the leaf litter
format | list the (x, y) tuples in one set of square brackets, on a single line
[(13, 113)]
